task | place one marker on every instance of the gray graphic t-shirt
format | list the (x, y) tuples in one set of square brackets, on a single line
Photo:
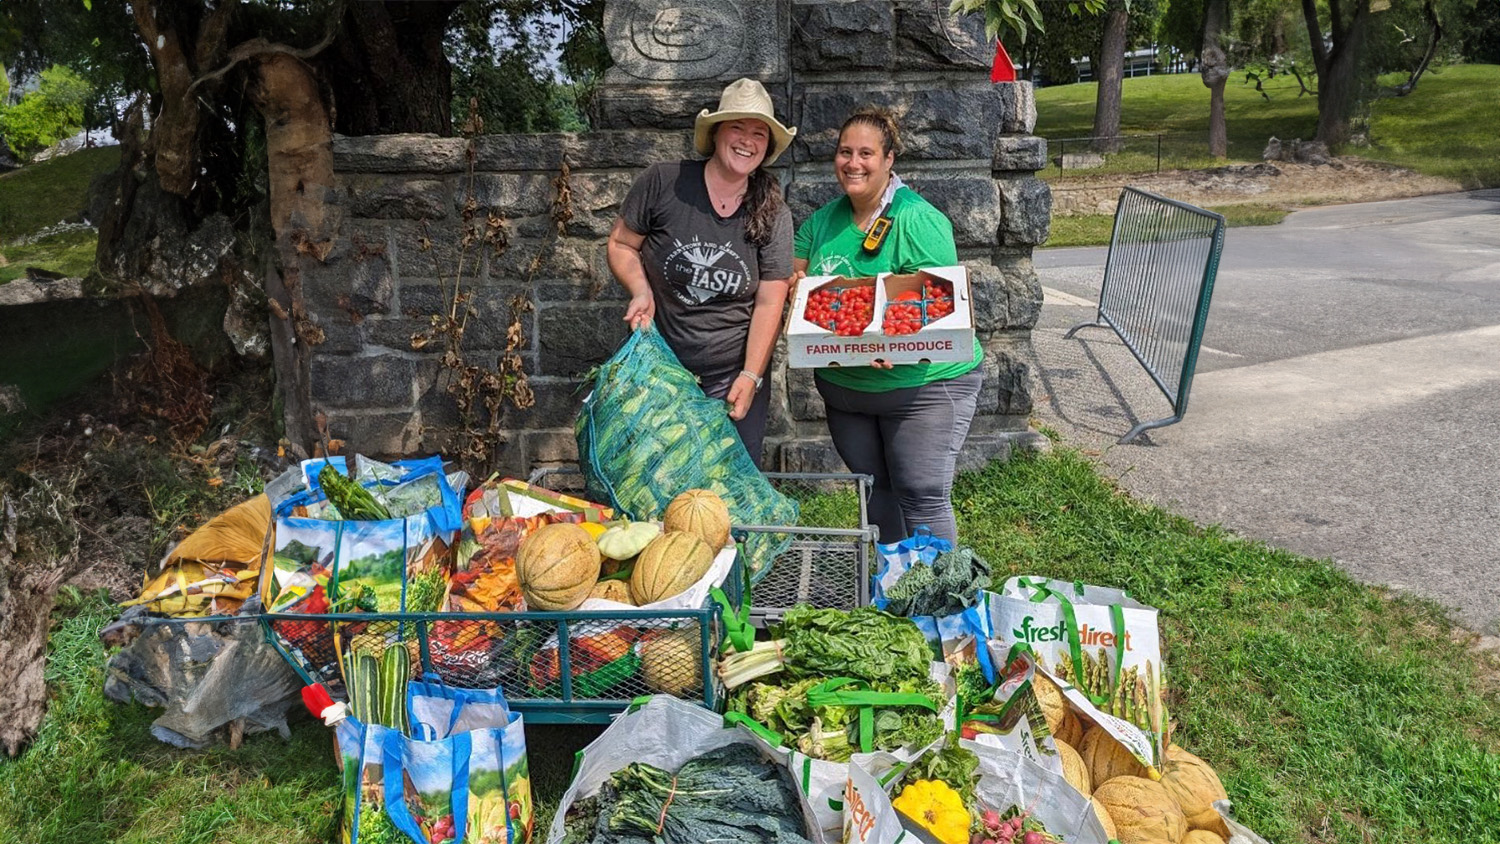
[(703, 272)]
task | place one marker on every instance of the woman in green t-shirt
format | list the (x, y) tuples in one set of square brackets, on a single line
[(903, 425)]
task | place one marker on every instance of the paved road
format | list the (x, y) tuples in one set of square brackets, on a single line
[(1347, 401)]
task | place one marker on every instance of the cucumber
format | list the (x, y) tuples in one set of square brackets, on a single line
[(395, 672)]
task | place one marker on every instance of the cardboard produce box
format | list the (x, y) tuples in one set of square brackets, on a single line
[(945, 335)]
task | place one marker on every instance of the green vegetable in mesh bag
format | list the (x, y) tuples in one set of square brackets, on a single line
[(647, 433)]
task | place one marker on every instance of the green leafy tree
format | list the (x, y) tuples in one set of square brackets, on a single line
[(47, 115), (1018, 17), (505, 58)]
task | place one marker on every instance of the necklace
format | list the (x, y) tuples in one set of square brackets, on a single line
[(725, 205)]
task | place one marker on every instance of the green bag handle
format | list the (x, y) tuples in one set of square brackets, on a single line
[(737, 627), (1041, 592), (637, 702), (827, 693), (771, 737)]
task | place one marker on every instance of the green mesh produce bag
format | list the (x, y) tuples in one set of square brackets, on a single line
[(647, 433)]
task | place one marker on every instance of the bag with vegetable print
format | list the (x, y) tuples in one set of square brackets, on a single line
[(460, 777)]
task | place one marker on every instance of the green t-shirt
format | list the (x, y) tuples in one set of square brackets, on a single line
[(920, 237)]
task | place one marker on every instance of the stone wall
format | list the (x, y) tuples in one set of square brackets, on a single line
[(968, 150)]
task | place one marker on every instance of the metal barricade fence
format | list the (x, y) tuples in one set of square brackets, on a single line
[(1158, 280)]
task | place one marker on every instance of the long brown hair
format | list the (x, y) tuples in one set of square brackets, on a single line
[(762, 198)]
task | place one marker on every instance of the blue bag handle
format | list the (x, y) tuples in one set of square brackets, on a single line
[(432, 685), (395, 792)]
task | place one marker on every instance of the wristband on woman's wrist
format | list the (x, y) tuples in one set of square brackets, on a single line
[(754, 379)]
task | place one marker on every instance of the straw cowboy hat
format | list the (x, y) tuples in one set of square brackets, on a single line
[(743, 98)]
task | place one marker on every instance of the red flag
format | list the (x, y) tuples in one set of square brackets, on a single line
[(1003, 70)]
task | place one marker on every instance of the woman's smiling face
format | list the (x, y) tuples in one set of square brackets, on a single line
[(862, 166), (741, 145)]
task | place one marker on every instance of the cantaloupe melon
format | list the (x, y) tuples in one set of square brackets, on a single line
[(699, 512), (1110, 833), (611, 590), (1202, 836), (1074, 771), (1106, 758), (1071, 730), (1195, 787), (557, 567), (1142, 810), (668, 566)]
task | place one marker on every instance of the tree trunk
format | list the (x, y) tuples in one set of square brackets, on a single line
[(389, 72), (31, 570), (299, 163), (1111, 75), (1434, 36), (1215, 72), (1338, 86), (1338, 66)]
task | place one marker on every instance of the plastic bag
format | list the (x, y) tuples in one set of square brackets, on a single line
[(1006, 780), (664, 732), (647, 433)]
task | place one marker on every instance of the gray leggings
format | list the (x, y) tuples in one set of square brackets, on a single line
[(908, 440)]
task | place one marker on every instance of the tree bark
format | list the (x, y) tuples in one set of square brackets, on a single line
[(299, 163), (390, 73), (1215, 73), (1111, 75), (1337, 65), (1434, 36)]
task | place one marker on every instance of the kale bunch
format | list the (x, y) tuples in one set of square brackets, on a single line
[(946, 587), (728, 795)]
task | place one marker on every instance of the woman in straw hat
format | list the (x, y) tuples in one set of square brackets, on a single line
[(902, 425), (705, 249)]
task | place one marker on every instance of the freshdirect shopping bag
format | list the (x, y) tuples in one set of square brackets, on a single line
[(647, 433), (460, 778), (663, 732), (1100, 645), (1006, 780)]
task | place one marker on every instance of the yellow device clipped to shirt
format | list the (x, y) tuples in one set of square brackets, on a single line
[(875, 237)]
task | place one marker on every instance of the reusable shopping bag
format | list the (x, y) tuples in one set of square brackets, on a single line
[(647, 433), (823, 781), (1006, 779), (321, 563), (461, 778), (953, 636), (1099, 645)]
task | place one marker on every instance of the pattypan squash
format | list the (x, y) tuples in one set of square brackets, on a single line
[(624, 539), (938, 808)]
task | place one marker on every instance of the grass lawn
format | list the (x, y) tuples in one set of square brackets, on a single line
[(1333, 712), (1095, 229), (70, 253), (41, 195), (1445, 128)]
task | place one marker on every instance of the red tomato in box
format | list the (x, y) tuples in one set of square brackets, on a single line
[(908, 296)]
